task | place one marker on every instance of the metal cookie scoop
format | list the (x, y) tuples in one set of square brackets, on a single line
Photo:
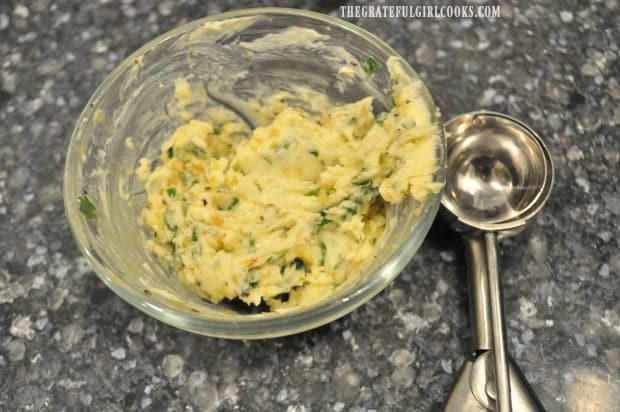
[(499, 176)]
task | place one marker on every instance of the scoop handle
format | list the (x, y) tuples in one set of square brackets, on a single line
[(479, 261), (486, 310), (479, 310), (500, 355)]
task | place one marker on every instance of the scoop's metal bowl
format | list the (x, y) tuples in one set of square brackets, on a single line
[(500, 173)]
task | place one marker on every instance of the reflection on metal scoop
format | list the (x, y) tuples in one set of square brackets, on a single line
[(499, 176)]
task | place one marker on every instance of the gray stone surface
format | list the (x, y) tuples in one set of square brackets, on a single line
[(68, 343)]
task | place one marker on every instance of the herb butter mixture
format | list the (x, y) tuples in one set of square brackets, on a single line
[(289, 213)]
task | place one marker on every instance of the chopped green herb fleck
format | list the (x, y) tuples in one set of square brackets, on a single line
[(168, 222), (87, 208), (171, 228), (253, 284), (352, 120), (217, 131), (409, 125), (323, 253), (324, 222), (233, 203), (366, 186), (351, 210), (268, 160), (194, 235), (251, 240), (314, 192), (395, 81), (370, 66), (299, 264), (195, 150), (171, 191), (381, 118), (283, 146), (170, 152), (314, 153)]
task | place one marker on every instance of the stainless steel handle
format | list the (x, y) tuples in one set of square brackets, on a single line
[(476, 388), (486, 310), (502, 379), (479, 310)]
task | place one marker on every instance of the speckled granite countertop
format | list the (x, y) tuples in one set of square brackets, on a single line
[(69, 343)]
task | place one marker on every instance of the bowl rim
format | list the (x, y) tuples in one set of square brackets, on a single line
[(254, 327)]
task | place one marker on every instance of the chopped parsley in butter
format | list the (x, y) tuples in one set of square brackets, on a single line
[(288, 213)]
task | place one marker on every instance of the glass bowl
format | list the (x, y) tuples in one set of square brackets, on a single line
[(134, 102)]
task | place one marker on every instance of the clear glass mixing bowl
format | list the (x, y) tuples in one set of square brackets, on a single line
[(134, 101)]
